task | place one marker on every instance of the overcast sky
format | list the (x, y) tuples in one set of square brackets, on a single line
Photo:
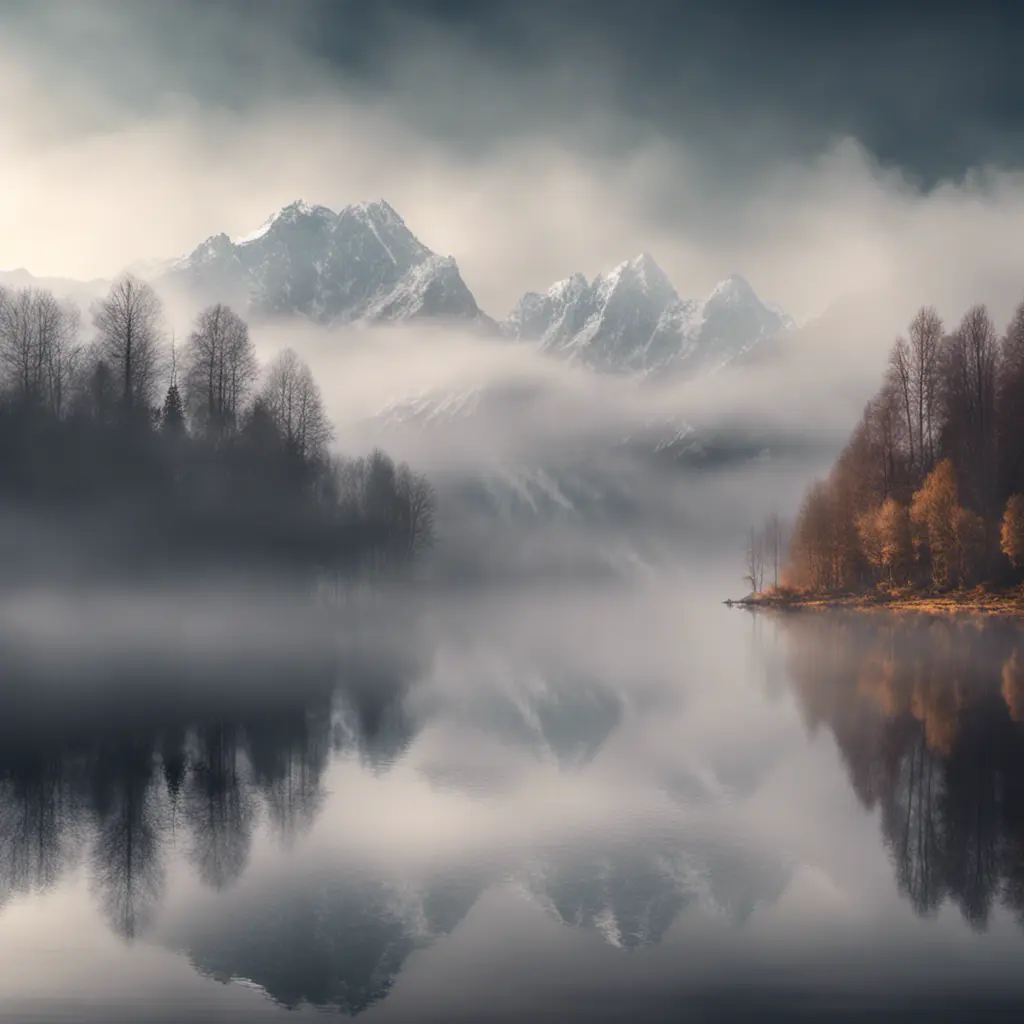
[(817, 148)]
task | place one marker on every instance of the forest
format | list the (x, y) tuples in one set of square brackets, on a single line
[(122, 450), (928, 492)]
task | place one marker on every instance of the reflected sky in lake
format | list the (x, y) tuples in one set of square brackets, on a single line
[(614, 803)]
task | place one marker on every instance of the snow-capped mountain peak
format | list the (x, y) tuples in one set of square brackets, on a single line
[(648, 275), (568, 288), (632, 320), (361, 263), (640, 274), (379, 210), (734, 290), (300, 208), (213, 248)]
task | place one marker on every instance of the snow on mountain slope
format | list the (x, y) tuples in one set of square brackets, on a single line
[(631, 897), (632, 320), (360, 264)]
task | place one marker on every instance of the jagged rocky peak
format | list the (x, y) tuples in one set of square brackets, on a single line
[(213, 248), (734, 320), (361, 263), (631, 319), (733, 291), (432, 288), (380, 211), (644, 273), (569, 290), (375, 230), (538, 317), (300, 208)]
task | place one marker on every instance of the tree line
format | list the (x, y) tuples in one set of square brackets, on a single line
[(198, 451), (928, 490)]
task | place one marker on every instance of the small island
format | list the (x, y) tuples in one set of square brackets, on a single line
[(924, 509)]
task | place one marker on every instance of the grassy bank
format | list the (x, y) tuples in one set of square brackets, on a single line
[(982, 600)]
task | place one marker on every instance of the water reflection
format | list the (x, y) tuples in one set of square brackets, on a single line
[(130, 773), (39, 812), (192, 778), (331, 937), (633, 891), (312, 825), (927, 716)]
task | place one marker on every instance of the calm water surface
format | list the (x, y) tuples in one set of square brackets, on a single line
[(609, 803)]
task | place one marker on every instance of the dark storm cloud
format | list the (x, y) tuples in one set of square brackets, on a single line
[(931, 88), (792, 142)]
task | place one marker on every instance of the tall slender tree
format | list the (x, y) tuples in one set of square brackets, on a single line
[(925, 342), (292, 399), (970, 396), (220, 369), (129, 324)]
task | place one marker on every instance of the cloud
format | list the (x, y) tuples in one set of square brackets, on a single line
[(89, 185), (109, 160)]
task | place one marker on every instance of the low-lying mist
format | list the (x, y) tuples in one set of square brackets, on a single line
[(557, 457)]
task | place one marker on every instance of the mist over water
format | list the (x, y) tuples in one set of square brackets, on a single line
[(501, 793), (538, 765), (464, 731)]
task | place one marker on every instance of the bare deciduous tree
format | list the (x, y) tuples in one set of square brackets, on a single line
[(292, 398), (128, 325), (64, 359), (418, 504), (39, 347), (901, 377), (220, 369), (926, 332), (972, 360), (755, 561)]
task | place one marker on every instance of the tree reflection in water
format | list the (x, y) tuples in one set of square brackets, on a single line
[(197, 771), (928, 715), (38, 817)]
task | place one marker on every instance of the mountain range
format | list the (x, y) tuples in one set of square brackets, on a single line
[(633, 320), (363, 265)]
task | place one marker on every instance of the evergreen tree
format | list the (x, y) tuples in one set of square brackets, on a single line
[(172, 419)]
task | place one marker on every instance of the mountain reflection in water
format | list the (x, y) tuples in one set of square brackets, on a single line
[(193, 770), (312, 825)]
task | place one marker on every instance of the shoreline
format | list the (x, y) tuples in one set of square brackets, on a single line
[(1006, 602)]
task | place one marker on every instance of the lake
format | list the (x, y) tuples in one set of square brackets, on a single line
[(611, 802)]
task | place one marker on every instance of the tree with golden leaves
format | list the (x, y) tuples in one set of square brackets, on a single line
[(934, 513), (894, 536), (1012, 533), (870, 538)]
